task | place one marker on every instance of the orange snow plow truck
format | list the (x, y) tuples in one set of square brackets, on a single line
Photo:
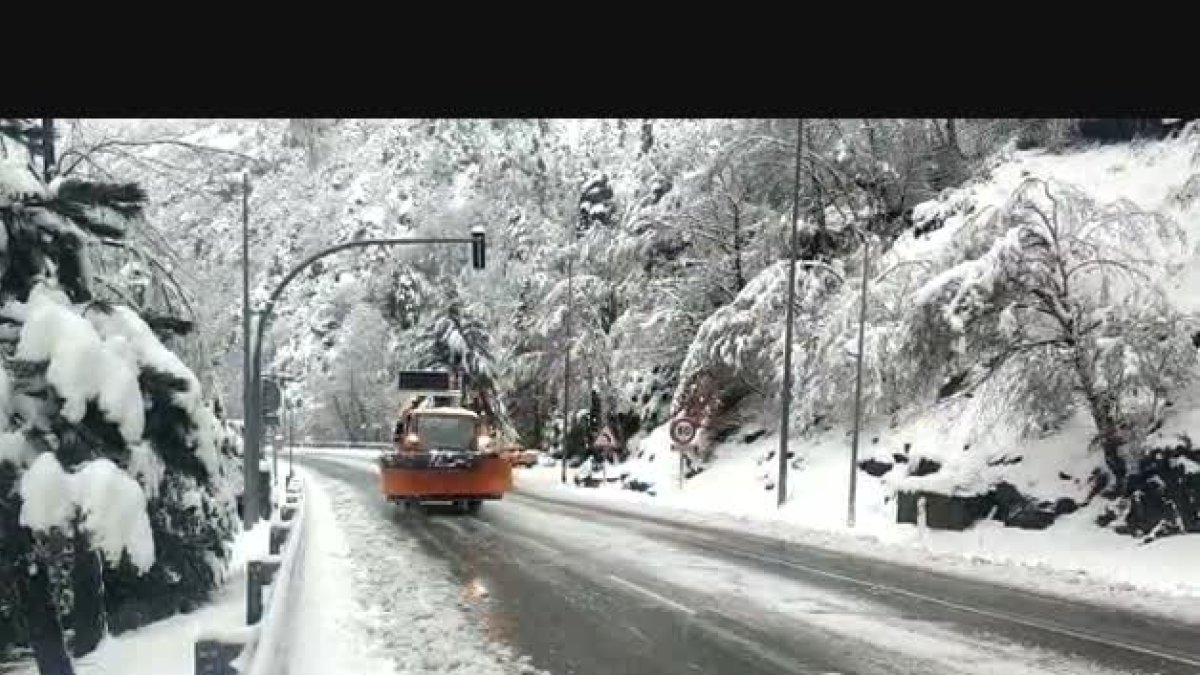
[(444, 452)]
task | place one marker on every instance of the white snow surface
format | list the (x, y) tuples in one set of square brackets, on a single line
[(82, 366), (16, 179), (146, 466), (112, 504), (114, 512), (45, 495), (15, 449)]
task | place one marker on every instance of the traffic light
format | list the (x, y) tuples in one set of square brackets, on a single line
[(478, 248)]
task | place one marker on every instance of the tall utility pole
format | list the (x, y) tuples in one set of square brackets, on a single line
[(858, 358), (567, 370), (48, 148), (785, 404), (249, 415)]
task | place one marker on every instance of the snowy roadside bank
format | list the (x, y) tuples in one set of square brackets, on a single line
[(1077, 561)]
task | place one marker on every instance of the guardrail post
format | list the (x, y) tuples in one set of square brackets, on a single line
[(279, 535), (259, 573), (215, 657)]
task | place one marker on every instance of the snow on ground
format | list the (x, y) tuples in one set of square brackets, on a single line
[(168, 646), (386, 606), (331, 636), (1074, 559)]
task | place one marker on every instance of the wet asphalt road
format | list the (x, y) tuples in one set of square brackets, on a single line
[(587, 590)]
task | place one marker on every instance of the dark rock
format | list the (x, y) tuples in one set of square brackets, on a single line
[(754, 436), (899, 458), (1005, 460), (637, 485), (1017, 510), (1031, 519), (875, 467), (1104, 519), (952, 385), (724, 434), (925, 467), (791, 454), (1163, 498), (942, 512), (1064, 476), (875, 440), (1064, 506), (1007, 500)]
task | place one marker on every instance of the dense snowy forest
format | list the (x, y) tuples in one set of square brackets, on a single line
[(1014, 302), (1022, 300)]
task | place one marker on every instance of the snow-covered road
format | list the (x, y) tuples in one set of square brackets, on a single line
[(531, 583)]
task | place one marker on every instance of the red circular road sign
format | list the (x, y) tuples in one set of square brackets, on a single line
[(683, 430)]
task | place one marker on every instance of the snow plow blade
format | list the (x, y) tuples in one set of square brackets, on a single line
[(418, 478)]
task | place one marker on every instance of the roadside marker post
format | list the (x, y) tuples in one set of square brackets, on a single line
[(683, 434)]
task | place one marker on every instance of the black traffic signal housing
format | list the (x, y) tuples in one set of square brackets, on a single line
[(478, 248)]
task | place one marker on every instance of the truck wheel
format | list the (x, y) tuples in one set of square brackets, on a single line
[(473, 505)]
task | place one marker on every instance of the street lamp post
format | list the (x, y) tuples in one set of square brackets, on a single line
[(785, 404), (249, 461), (566, 427), (858, 358), (254, 413)]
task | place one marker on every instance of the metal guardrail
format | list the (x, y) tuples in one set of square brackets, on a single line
[(259, 647)]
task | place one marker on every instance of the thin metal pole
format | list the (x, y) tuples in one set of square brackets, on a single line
[(862, 322), (785, 403), (275, 447), (249, 451), (567, 370), (48, 148), (291, 438)]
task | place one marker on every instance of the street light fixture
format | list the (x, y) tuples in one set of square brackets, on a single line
[(254, 370)]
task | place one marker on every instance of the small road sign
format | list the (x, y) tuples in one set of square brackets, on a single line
[(683, 430), (605, 440)]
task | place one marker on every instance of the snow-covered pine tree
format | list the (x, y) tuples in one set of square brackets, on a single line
[(97, 414), (457, 340)]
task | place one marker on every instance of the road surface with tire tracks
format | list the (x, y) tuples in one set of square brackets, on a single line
[(590, 590)]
